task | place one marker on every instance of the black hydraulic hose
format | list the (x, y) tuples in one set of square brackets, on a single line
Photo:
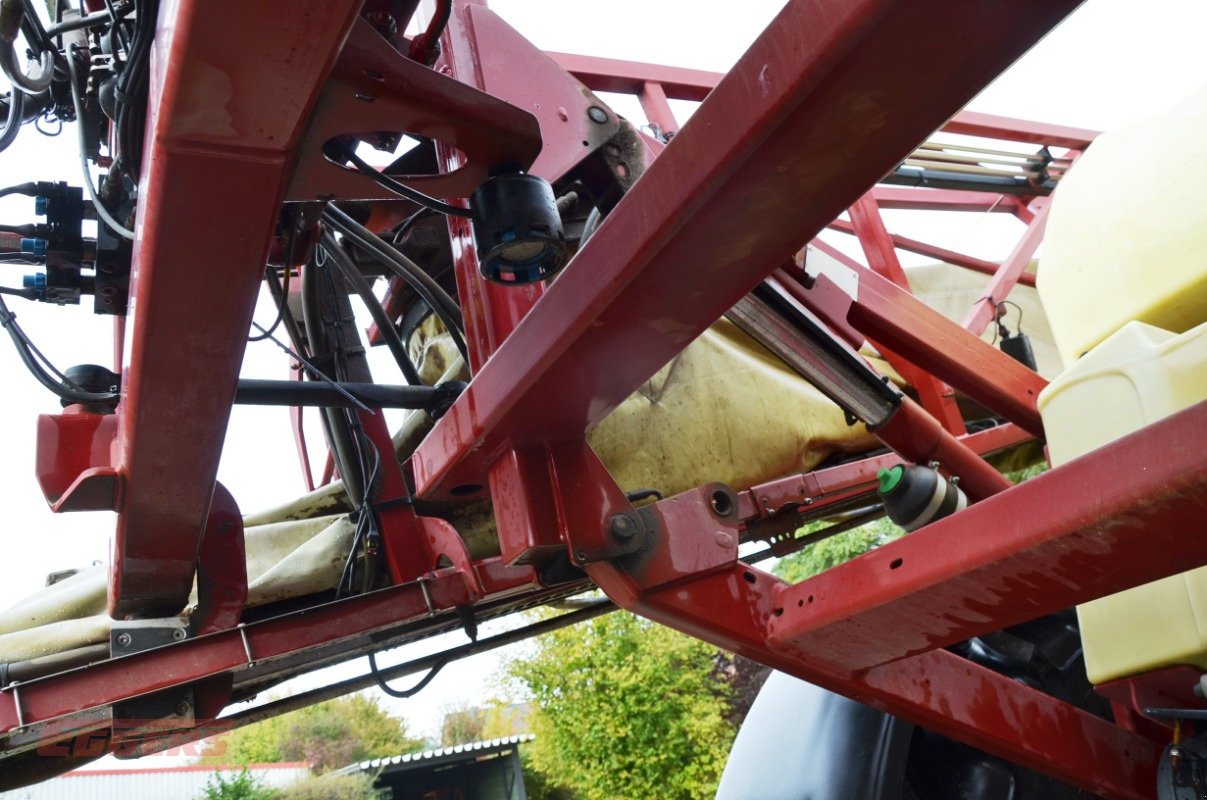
[(385, 325), (12, 15), (424, 285), (94, 20)]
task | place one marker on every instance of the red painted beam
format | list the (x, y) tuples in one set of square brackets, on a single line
[(627, 77), (936, 397), (745, 182), (937, 690), (227, 651), (985, 310), (889, 314), (939, 253), (908, 198), (224, 118), (1119, 517), (991, 126)]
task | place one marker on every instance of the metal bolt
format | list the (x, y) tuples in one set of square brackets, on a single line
[(183, 708), (178, 634), (597, 114), (124, 640), (623, 527)]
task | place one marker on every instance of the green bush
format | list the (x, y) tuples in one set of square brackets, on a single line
[(356, 786), (240, 786)]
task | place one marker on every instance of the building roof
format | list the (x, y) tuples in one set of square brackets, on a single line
[(207, 768), (160, 783), (460, 752)]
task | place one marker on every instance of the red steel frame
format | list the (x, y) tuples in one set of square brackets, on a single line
[(718, 211)]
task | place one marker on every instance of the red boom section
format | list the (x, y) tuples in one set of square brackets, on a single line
[(825, 103), (822, 105)]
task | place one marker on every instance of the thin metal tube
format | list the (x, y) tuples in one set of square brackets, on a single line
[(257, 392)]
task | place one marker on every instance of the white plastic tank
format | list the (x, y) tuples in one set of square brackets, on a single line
[(1137, 376), (1127, 234)]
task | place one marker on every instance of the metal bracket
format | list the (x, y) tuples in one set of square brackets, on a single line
[(170, 709), (133, 636), (627, 533)]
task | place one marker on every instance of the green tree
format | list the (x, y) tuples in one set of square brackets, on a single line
[(833, 551), (240, 786), (464, 724), (625, 708), (328, 736)]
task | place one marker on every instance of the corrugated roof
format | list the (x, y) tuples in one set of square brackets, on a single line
[(441, 752)]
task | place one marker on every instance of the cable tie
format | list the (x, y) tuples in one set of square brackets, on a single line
[(397, 502)]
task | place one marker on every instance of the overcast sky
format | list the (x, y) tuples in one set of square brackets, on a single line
[(1111, 63)]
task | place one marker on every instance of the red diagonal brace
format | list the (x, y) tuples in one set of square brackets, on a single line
[(747, 180)]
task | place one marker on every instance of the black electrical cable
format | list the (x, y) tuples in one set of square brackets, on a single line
[(23, 230), (423, 284), (401, 189), (405, 227), (131, 90), (24, 346), (385, 325), (403, 694), (282, 297), (30, 188), (25, 294), (275, 708), (1000, 318)]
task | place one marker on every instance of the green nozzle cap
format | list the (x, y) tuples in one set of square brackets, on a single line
[(889, 478)]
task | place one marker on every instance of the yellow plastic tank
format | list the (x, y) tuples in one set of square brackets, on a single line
[(1137, 376), (1133, 208)]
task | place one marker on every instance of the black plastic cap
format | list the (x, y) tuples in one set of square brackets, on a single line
[(517, 229)]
